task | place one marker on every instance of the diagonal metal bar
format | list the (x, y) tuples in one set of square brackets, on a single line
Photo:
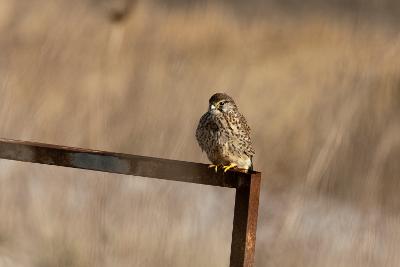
[(247, 184)]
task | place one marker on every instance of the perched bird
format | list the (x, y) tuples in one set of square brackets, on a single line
[(224, 135)]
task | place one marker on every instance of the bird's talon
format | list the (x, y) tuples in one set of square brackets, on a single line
[(213, 166), (230, 166)]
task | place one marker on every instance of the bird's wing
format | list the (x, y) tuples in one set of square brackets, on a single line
[(248, 148)]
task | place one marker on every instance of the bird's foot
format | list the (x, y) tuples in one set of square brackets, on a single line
[(213, 166), (228, 167)]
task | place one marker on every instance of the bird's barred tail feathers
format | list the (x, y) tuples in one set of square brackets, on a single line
[(251, 165)]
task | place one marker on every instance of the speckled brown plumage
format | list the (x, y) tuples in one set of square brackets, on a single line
[(224, 135)]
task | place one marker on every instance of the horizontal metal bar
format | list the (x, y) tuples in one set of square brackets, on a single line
[(166, 169)]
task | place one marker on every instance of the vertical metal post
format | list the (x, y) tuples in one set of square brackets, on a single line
[(245, 223)]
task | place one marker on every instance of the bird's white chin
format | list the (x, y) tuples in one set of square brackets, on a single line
[(214, 111)]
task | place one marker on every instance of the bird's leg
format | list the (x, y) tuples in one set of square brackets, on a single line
[(213, 166), (228, 167)]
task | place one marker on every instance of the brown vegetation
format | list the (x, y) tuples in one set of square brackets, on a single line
[(320, 89)]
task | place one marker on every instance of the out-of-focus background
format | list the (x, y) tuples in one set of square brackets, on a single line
[(318, 82)]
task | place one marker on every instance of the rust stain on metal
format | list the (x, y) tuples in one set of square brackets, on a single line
[(247, 185), (245, 222)]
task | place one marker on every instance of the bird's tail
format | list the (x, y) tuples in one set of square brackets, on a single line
[(251, 165)]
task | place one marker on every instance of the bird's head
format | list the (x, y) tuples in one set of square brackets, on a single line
[(221, 102)]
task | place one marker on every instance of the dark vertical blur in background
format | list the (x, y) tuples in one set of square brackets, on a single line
[(318, 81)]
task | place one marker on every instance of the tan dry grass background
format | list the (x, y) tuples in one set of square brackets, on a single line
[(320, 89)]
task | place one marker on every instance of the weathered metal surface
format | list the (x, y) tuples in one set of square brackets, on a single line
[(245, 223), (119, 163), (247, 184)]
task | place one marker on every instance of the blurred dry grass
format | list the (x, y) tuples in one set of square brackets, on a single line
[(320, 90)]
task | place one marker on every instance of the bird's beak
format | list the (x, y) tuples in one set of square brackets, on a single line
[(212, 107)]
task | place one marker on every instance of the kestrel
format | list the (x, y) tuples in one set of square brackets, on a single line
[(224, 135)]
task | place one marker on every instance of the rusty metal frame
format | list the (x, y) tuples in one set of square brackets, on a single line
[(247, 185)]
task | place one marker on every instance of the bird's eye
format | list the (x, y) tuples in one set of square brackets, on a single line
[(222, 103)]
